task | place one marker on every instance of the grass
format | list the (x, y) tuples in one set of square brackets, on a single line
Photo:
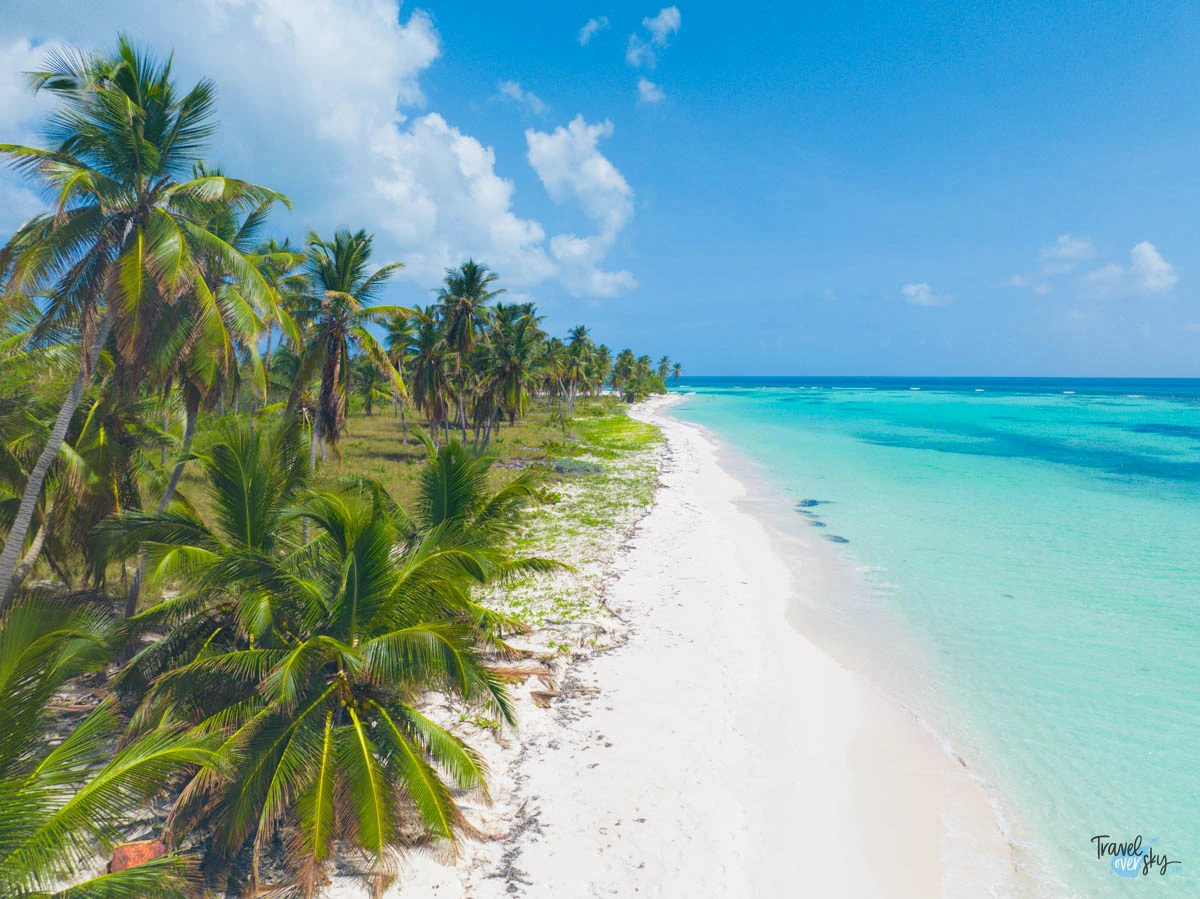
[(373, 446)]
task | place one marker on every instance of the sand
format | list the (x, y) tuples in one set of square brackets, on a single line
[(714, 751)]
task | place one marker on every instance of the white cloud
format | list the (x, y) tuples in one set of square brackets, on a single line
[(20, 110), (529, 99), (571, 166), (649, 92), (1151, 273), (662, 26), (1041, 288), (322, 99), (591, 29), (640, 52), (923, 295), (1065, 253), (1147, 274)]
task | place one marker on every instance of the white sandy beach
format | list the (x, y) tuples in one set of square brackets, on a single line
[(716, 751)]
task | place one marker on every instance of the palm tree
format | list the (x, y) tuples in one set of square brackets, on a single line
[(430, 367), (63, 799), (664, 368), (401, 330), (601, 368), (217, 324), (677, 371), (369, 382), (579, 353), (512, 359), (334, 318), (122, 242), (464, 297), (623, 370), (310, 675)]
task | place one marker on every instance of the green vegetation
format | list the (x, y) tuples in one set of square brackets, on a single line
[(255, 521)]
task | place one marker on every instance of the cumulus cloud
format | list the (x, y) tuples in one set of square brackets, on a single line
[(322, 99), (571, 167), (640, 51), (1147, 274), (1041, 288), (528, 99), (922, 294), (649, 92), (20, 109), (662, 26), (591, 29), (1065, 253)]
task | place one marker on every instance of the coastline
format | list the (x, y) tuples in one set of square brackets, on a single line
[(710, 748)]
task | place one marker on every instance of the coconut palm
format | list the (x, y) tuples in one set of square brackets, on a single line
[(464, 299), (335, 319), (431, 364), (308, 659), (623, 370), (62, 799), (513, 353), (401, 330), (664, 368), (123, 240), (676, 371)]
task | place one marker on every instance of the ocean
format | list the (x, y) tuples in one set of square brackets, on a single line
[(1018, 563)]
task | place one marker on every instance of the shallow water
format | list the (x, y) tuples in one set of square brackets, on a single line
[(1024, 572)]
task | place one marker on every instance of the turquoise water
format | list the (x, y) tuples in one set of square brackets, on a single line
[(1033, 547)]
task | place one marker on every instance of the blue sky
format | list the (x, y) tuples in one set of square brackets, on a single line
[(855, 188)]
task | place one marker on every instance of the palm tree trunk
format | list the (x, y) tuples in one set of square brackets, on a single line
[(192, 411), (15, 543), (404, 425), (35, 550)]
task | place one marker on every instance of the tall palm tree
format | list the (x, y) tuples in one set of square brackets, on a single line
[(218, 324), (401, 330), (431, 364), (624, 369), (334, 318), (664, 368), (62, 799), (677, 371), (122, 242), (601, 369), (513, 350), (464, 299)]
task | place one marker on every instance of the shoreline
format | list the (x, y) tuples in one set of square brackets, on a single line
[(712, 749)]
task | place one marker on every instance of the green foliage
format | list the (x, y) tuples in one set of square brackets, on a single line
[(62, 802), (163, 369)]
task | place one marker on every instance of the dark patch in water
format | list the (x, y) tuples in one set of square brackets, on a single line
[(1185, 431), (1007, 595), (1104, 461), (817, 524), (809, 503), (834, 538)]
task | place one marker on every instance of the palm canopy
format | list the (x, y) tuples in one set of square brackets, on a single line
[(128, 232), (464, 296), (61, 802), (126, 239), (334, 318), (307, 657)]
